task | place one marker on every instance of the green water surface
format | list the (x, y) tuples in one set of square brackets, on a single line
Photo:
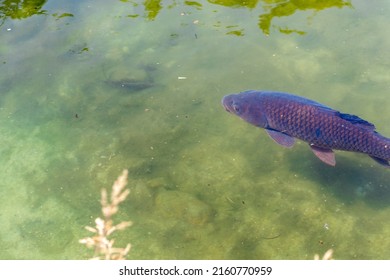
[(204, 184)]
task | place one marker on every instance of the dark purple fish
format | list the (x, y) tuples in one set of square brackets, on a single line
[(285, 117)]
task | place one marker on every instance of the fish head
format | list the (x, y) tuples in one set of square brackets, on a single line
[(248, 106)]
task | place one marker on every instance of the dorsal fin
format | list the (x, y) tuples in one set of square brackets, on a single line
[(356, 120)]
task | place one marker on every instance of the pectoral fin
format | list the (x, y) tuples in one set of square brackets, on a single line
[(281, 138), (324, 154)]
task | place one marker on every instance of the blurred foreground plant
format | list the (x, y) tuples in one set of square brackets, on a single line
[(104, 227), (327, 256)]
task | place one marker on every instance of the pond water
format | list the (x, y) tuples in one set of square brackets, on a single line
[(89, 88)]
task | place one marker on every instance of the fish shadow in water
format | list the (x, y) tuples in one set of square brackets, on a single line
[(131, 84), (350, 181)]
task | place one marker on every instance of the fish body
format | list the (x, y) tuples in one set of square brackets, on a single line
[(286, 117)]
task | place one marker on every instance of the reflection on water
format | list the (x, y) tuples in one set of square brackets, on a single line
[(270, 9), (281, 8), (152, 8), (20, 9)]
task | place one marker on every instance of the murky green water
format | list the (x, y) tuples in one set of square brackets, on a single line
[(89, 88)]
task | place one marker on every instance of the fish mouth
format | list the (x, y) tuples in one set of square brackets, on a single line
[(227, 103)]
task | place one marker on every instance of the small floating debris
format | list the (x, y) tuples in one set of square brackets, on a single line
[(182, 78), (326, 226)]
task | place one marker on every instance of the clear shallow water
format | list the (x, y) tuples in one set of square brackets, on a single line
[(204, 184)]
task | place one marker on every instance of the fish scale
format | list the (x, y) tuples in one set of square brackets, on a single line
[(286, 116), (320, 129)]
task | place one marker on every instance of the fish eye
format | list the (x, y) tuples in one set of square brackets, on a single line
[(236, 108)]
